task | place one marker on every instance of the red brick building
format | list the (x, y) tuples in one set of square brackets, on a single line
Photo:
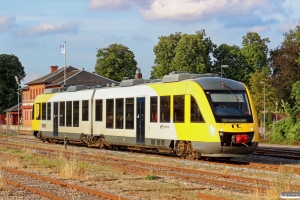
[(57, 78)]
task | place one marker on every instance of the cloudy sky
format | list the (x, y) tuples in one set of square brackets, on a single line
[(33, 30)]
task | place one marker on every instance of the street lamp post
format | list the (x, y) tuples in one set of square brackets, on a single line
[(276, 103), (17, 80), (223, 66), (264, 109)]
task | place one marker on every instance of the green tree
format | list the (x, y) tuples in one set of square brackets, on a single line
[(255, 52), (232, 56), (188, 52), (10, 66), (209, 48), (260, 84), (255, 59), (285, 70), (116, 62), (254, 38), (165, 54)]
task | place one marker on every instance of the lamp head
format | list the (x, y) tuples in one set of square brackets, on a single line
[(17, 80), (224, 66), (262, 82)]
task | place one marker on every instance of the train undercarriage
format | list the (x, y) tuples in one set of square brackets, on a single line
[(183, 149)]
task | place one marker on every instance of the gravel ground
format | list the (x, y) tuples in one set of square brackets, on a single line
[(126, 185)]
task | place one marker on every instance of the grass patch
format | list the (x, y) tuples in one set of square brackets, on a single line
[(16, 151), (151, 176), (74, 170), (281, 182), (3, 149)]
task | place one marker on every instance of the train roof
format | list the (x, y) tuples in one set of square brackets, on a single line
[(207, 81)]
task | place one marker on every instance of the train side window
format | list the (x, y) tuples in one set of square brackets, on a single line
[(99, 110), (153, 109), (38, 111), (165, 109), (44, 111), (49, 111), (196, 115), (62, 110), (75, 113), (109, 113), (85, 110), (129, 113), (178, 108), (69, 113), (119, 113)]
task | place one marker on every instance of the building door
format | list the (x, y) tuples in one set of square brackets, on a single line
[(55, 119), (140, 120)]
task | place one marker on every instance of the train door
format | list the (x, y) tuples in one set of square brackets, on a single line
[(55, 119), (140, 120)]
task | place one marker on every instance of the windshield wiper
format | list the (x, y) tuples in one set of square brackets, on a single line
[(227, 88)]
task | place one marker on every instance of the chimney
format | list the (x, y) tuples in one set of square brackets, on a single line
[(53, 68), (139, 74)]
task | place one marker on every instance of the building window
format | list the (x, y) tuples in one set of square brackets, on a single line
[(109, 113), (75, 113), (49, 111), (99, 110), (69, 113), (153, 109), (129, 113), (85, 110), (178, 108), (196, 115), (165, 109), (62, 110), (119, 113)]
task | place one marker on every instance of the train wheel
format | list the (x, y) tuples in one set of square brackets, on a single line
[(185, 150)]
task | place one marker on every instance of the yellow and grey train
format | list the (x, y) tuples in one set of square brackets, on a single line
[(191, 115)]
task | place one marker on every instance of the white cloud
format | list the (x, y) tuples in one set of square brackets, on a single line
[(259, 29), (292, 7), (110, 4), (7, 23), (48, 29), (186, 10), (30, 77), (288, 26)]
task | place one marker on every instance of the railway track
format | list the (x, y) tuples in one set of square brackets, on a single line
[(272, 167), (53, 154), (51, 188), (278, 152), (236, 183)]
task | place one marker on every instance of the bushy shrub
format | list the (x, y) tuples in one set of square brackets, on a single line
[(279, 129), (293, 136)]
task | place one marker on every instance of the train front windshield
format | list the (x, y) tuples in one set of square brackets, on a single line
[(230, 106)]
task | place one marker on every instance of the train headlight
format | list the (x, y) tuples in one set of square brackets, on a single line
[(212, 131), (221, 134)]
